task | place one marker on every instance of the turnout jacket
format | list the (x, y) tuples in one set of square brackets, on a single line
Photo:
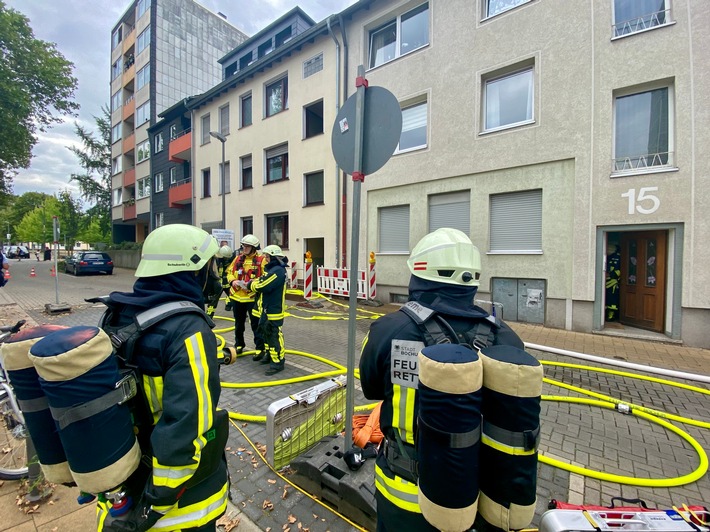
[(177, 362), (400, 405), (244, 268), (271, 290)]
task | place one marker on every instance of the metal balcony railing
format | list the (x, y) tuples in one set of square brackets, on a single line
[(640, 162), (644, 22), (181, 182)]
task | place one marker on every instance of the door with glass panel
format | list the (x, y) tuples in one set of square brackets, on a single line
[(643, 279)]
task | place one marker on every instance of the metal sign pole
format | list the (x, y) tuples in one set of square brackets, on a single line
[(55, 223), (358, 177)]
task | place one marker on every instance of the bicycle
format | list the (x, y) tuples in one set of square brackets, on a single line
[(13, 432)]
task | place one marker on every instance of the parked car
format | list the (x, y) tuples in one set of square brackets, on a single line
[(18, 252), (89, 262)]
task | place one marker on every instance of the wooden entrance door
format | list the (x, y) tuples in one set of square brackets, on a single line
[(643, 279)]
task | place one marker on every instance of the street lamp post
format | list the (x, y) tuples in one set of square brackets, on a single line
[(223, 140)]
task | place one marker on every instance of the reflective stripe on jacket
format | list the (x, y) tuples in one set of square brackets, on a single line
[(271, 288), (244, 268)]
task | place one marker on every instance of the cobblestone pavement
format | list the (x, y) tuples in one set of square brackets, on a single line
[(585, 435)]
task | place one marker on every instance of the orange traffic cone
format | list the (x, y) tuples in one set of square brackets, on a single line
[(52, 272), (32, 273), (7, 274)]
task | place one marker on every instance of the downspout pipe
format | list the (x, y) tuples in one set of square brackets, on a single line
[(344, 206), (337, 167)]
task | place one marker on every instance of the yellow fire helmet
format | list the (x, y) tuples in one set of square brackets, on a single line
[(176, 248), (273, 250), (447, 256)]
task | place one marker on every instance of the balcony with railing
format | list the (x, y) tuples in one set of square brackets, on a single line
[(129, 107), (129, 210), (641, 23), (129, 74), (129, 143), (130, 39), (129, 177), (180, 193), (181, 146)]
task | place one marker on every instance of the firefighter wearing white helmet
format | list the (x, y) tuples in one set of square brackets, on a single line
[(187, 485), (247, 265), (445, 271), (270, 304)]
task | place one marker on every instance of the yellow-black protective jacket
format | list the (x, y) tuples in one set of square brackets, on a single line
[(177, 362), (271, 291), (396, 382), (244, 268)]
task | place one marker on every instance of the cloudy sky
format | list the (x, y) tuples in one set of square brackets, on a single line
[(82, 31)]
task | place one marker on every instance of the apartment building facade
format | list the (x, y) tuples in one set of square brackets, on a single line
[(546, 130), (161, 52), (272, 113)]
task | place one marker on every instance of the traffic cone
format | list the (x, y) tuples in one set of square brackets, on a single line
[(7, 274), (52, 272), (32, 273)]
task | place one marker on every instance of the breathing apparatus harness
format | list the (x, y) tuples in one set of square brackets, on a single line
[(401, 458)]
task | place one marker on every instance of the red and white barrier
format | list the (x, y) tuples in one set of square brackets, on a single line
[(294, 275), (336, 282), (308, 277), (371, 278)]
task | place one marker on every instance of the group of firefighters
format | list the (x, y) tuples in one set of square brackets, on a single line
[(178, 374)]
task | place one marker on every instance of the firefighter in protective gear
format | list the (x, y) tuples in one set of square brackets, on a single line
[(270, 305), (187, 484), (244, 268), (446, 269), (225, 257), (613, 275)]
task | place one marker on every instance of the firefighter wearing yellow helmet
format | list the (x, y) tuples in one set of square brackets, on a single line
[(445, 271), (181, 432)]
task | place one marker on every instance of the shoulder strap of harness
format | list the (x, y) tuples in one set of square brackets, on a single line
[(437, 330), (124, 338)]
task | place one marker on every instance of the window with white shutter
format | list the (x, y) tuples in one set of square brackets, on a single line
[(516, 222), (450, 210), (394, 229)]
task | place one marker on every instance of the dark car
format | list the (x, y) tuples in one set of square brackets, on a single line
[(89, 262)]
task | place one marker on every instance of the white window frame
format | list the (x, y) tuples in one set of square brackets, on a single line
[(158, 184), (411, 116), (116, 101), (506, 5), (143, 188), (116, 133), (173, 175), (641, 24), (487, 80), (116, 165), (143, 6), (227, 177), (307, 188), (396, 52), (173, 131), (242, 98), (159, 220), (143, 40), (143, 114), (117, 196), (159, 143), (143, 151), (515, 223), (393, 223), (451, 209), (624, 168), (205, 129), (224, 124), (245, 163), (143, 77)]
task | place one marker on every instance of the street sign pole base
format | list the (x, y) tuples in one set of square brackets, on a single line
[(57, 308)]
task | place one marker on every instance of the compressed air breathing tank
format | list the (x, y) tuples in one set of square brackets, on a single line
[(448, 438), (79, 375), (512, 385), (33, 402)]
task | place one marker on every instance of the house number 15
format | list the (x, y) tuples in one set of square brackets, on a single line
[(644, 196)]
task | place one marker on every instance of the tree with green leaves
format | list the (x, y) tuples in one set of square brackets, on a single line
[(37, 225), (36, 88), (95, 182)]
